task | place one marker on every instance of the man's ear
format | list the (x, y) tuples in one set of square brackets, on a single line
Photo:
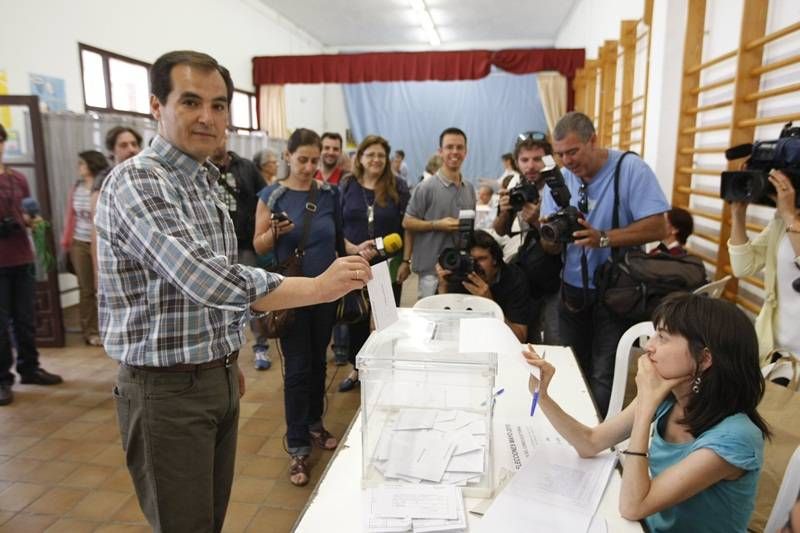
[(155, 107)]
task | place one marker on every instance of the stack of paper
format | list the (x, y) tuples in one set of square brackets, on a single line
[(423, 509), (555, 491), (432, 446)]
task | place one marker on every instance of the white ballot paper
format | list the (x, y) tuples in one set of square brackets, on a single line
[(381, 297), (555, 491), (486, 334), (426, 508)]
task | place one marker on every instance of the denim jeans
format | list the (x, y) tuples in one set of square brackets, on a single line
[(17, 310), (593, 334), (304, 380)]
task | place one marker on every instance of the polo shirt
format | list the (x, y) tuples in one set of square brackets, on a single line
[(433, 199)]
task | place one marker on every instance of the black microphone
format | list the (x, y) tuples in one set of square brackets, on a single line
[(738, 152)]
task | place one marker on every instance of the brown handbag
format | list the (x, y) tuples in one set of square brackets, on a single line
[(278, 323)]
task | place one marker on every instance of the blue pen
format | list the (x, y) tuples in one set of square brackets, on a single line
[(535, 400), (498, 393)]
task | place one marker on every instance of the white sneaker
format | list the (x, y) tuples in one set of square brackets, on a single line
[(263, 362)]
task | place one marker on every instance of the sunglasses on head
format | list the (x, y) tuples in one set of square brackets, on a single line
[(532, 135)]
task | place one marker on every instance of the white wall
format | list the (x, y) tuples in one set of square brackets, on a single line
[(593, 21), (41, 37)]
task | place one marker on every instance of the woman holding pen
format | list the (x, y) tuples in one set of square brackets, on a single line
[(699, 381)]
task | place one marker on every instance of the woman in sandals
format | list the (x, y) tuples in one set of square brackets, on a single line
[(373, 205), (77, 240), (700, 382), (305, 345)]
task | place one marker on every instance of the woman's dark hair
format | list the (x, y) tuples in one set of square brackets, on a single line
[(481, 239), (3, 134), (387, 183), (95, 161), (161, 71), (116, 131), (733, 383), (303, 137), (681, 220)]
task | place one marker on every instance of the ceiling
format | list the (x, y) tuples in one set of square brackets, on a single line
[(391, 24)]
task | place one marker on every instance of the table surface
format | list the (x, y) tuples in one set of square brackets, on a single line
[(335, 504)]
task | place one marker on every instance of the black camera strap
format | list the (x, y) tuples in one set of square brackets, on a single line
[(616, 252)]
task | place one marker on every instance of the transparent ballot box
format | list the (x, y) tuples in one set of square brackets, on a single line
[(426, 408)]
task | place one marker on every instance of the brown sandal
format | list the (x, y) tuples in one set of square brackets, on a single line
[(298, 471), (323, 439)]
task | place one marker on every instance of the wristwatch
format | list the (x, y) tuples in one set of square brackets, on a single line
[(605, 242)]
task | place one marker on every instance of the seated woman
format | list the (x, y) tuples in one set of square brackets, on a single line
[(776, 250), (699, 381)]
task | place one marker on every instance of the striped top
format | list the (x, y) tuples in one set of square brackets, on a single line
[(169, 290), (81, 204)]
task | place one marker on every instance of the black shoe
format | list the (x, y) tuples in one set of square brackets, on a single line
[(6, 396), (40, 376), (349, 384)]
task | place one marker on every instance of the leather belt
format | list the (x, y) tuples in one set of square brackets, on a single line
[(226, 361)]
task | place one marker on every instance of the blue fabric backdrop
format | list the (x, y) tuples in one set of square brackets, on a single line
[(492, 111)]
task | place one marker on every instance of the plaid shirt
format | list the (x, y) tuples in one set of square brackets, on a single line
[(169, 288)]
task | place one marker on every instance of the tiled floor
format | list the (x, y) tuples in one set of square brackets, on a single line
[(62, 468)]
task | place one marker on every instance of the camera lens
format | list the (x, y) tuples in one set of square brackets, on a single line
[(516, 200), (450, 259)]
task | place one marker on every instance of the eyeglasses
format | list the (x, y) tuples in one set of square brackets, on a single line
[(532, 135), (583, 201)]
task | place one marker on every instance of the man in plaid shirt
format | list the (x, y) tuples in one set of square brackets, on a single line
[(174, 303)]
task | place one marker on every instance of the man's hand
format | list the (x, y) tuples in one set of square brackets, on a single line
[(441, 273), (403, 271), (344, 275), (446, 224), (785, 202), (503, 203), (477, 286), (530, 213), (367, 250), (588, 237), (242, 385)]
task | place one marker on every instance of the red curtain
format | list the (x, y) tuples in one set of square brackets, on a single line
[(414, 66)]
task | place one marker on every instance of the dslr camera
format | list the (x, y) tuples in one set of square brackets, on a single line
[(563, 223), (752, 184), (457, 259), (525, 192)]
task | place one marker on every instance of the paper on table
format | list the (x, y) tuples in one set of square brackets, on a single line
[(422, 501), (381, 297), (487, 334)]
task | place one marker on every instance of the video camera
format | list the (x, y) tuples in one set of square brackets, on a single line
[(525, 192), (457, 259), (563, 223), (752, 184), (9, 225)]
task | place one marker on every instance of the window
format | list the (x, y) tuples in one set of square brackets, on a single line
[(243, 111), (114, 83)]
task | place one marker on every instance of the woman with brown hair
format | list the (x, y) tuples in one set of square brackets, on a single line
[(373, 204)]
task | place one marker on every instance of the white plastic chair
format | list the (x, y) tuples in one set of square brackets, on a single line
[(713, 289), (787, 494), (641, 332), (460, 302)]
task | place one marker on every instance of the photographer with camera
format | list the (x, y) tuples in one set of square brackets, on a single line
[(17, 284), (579, 208), (519, 207), (431, 214), (481, 271), (776, 250)]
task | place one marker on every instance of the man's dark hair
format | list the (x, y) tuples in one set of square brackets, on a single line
[(507, 157), (681, 220), (161, 71), (116, 131), (452, 131), (332, 135), (3, 134), (303, 137), (574, 122), (530, 144), (95, 161), (733, 383), (481, 239), (400, 153)]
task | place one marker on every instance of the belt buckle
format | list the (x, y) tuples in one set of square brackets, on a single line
[(227, 361)]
